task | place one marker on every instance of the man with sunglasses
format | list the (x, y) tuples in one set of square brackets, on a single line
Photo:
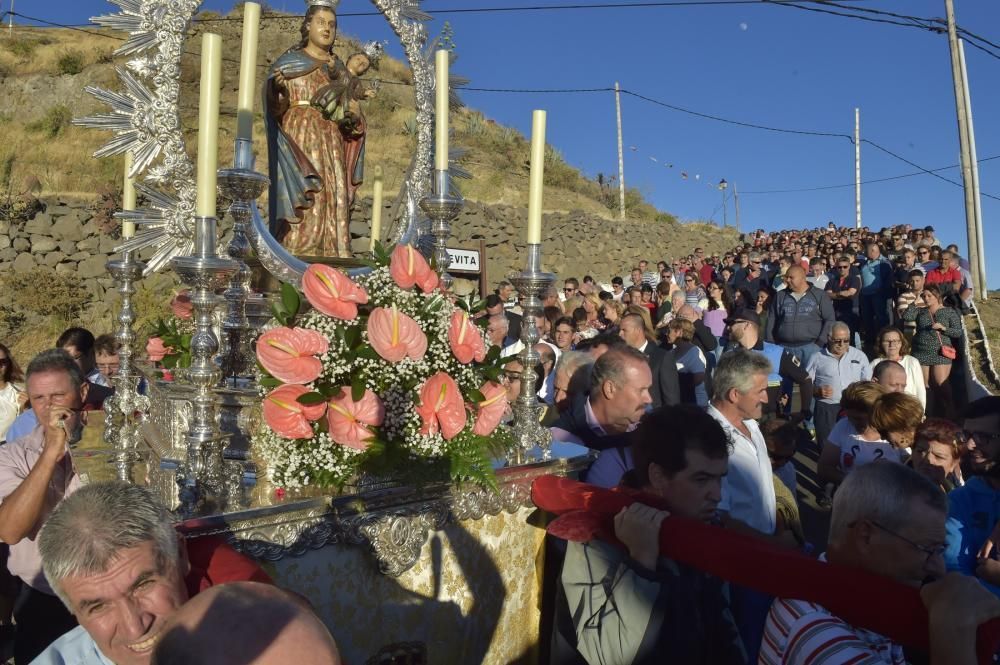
[(887, 520), (844, 289), (834, 368), (36, 473)]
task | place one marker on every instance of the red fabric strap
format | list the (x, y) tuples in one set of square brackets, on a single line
[(860, 598)]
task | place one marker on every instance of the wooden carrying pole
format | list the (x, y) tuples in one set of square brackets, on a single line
[(963, 140), (621, 154)]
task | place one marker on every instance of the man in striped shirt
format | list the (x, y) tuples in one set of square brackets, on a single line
[(886, 520)]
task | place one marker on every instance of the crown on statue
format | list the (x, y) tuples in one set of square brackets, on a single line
[(328, 4), (374, 51)]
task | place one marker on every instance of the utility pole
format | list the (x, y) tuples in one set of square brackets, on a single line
[(981, 268), (736, 204), (857, 167), (10, 20), (723, 185), (621, 154), (963, 139)]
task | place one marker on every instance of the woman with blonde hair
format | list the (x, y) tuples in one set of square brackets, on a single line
[(592, 305), (691, 362), (853, 441), (896, 417), (611, 312)]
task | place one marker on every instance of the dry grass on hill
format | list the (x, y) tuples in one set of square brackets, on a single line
[(44, 71)]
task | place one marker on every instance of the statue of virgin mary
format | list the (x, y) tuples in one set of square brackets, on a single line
[(312, 183)]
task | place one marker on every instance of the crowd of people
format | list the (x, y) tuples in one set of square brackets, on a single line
[(704, 385), (709, 381)]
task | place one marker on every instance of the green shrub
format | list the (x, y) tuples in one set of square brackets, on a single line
[(22, 47), (55, 120), (70, 62)]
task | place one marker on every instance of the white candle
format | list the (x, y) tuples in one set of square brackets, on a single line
[(376, 207), (248, 71), (536, 178), (208, 123), (441, 110), (128, 197)]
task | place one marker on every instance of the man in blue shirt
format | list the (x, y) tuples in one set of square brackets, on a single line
[(876, 292)]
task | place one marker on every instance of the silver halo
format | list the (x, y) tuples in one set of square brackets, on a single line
[(145, 120)]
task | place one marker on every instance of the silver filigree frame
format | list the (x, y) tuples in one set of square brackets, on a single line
[(145, 120)]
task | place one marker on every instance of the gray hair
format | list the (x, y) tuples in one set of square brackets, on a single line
[(736, 371), (840, 325), (92, 526), (883, 492), (577, 365), (500, 319), (55, 360), (612, 365)]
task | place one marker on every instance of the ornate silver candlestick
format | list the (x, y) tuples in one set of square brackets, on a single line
[(528, 431), (242, 186), (442, 206), (124, 410), (201, 479)]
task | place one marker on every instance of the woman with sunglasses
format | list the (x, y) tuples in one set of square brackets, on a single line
[(938, 327), (694, 292), (927, 263)]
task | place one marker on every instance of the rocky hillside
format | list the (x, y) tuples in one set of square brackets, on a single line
[(56, 232)]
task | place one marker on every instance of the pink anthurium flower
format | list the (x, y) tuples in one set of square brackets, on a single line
[(408, 267), (441, 407), (491, 410), (332, 292), (395, 335), (155, 349), (350, 423), (289, 354), (284, 414), (465, 339)]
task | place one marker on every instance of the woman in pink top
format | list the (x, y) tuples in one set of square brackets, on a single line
[(719, 306)]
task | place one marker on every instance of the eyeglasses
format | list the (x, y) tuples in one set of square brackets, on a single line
[(569, 289), (839, 341), (688, 279), (892, 342), (924, 251), (931, 552), (844, 267)]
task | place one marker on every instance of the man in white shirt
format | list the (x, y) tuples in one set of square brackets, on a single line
[(748, 501), (740, 392)]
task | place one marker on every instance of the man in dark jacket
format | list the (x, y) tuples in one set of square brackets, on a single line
[(666, 382), (800, 316)]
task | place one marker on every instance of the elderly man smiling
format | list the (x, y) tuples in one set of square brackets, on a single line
[(111, 553)]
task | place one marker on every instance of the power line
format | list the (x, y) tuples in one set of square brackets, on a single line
[(863, 182), (637, 95)]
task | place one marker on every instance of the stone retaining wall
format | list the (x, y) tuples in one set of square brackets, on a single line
[(66, 237)]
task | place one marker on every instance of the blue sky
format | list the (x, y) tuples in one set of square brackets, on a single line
[(764, 64)]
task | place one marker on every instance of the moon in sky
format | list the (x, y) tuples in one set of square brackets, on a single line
[(744, 26)]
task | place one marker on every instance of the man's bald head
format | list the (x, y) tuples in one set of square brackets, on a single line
[(689, 313), (795, 279), (245, 623)]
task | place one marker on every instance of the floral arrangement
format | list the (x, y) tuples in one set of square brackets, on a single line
[(169, 347), (384, 375)]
